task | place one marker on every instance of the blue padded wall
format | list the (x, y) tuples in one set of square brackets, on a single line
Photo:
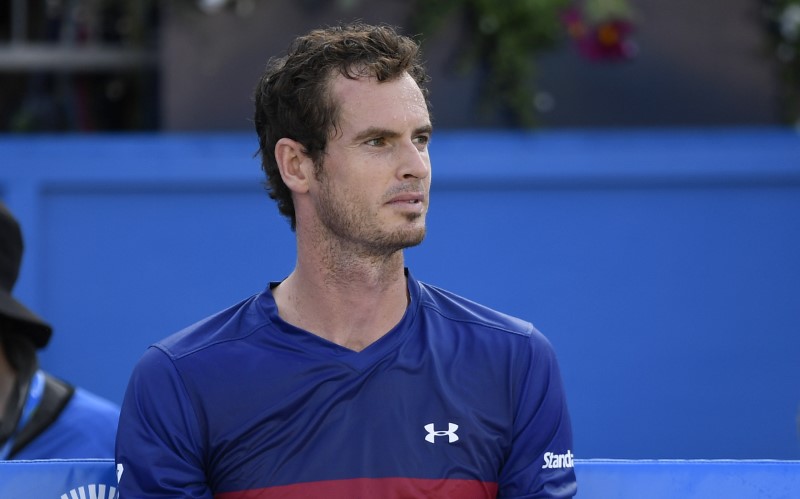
[(664, 265), (597, 479)]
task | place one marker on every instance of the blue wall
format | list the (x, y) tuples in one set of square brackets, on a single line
[(663, 265)]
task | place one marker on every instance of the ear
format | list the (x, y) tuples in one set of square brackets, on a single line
[(294, 164)]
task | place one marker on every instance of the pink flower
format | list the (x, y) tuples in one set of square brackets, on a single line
[(608, 39)]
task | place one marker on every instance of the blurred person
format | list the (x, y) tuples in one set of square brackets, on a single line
[(348, 378), (42, 417)]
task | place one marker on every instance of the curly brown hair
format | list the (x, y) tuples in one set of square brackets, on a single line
[(293, 98)]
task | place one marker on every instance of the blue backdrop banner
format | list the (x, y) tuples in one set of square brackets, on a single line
[(58, 478), (661, 264), (597, 479)]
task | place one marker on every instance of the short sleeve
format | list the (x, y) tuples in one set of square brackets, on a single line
[(540, 464), (158, 447)]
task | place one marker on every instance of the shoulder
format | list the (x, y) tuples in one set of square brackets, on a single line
[(457, 309), (85, 428), (206, 353), (234, 323), (86, 403), (491, 329), (91, 414)]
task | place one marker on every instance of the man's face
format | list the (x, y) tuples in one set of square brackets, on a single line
[(372, 192)]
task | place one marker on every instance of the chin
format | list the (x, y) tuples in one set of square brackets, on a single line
[(414, 238)]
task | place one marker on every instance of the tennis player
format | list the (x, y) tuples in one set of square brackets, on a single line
[(349, 378)]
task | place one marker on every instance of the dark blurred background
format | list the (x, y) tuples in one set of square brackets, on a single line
[(102, 65)]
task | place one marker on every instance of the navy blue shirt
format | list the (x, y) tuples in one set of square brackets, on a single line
[(457, 400)]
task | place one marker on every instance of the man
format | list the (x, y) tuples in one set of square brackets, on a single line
[(349, 378), (42, 416)]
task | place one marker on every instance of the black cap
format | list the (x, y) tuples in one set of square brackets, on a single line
[(23, 320)]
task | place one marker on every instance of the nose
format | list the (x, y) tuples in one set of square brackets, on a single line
[(414, 162)]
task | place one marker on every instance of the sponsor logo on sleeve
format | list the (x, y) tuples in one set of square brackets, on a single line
[(554, 461)]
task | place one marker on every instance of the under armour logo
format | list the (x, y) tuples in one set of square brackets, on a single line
[(450, 433)]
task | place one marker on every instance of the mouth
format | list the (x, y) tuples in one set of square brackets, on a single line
[(410, 198)]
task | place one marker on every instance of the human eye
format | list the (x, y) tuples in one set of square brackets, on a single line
[(376, 142), (422, 140)]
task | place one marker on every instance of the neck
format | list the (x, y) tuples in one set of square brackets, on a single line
[(350, 298), (8, 376)]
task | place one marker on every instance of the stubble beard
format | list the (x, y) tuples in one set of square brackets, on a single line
[(360, 232)]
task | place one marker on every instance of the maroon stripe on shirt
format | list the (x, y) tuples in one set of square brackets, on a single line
[(385, 488)]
